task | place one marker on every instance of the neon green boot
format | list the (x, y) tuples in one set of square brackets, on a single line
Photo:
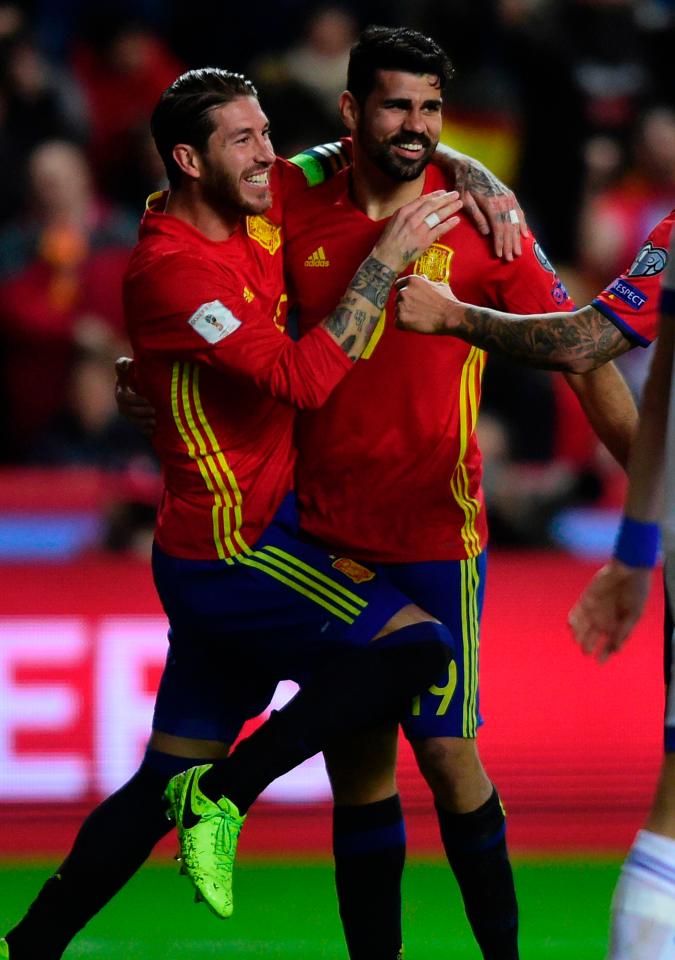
[(207, 834)]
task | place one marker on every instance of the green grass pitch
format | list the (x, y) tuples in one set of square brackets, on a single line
[(286, 909)]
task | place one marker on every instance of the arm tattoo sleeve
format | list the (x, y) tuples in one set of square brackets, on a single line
[(339, 320), (576, 342), (373, 281), (477, 181), (353, 320)]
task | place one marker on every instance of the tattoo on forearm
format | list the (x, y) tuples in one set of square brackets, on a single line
[(557, 342), (339, 321), (373, 281), (478, 181), (349, 323)]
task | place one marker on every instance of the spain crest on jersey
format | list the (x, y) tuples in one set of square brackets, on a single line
[(355, 571), (264, 232), (434, 264)]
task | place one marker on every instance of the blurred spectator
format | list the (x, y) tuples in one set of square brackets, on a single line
[(36, 102), (43, 102), (609, 67), (68, 259), (123, 69), (481, 104), (315, 70), (320, 61), (88, 430), (65, 218), (617, 218)]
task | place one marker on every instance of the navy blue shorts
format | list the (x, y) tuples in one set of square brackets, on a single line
[(452, 591), (668, 658), (236, 629)]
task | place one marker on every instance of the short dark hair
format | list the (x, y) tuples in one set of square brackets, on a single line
[(393, 48), (184, 111)]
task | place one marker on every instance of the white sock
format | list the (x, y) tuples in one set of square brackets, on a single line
[(643, 909)]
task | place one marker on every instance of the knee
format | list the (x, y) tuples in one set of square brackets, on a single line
[(453, 770), (362, 769), (447, 755)]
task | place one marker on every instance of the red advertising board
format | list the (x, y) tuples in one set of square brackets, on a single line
[(574, 747)]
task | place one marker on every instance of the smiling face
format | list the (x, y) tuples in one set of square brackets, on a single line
[(234, 168), (399, 124)]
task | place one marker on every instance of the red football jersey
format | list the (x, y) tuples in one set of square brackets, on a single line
[(632, 300), (389, 468), (206, 322)]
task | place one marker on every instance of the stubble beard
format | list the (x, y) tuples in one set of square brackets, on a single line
[(223, 192), (398, 168)]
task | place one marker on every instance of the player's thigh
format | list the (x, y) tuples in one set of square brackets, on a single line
[(205, 697), (286, 605), (452, 591), (362, 767)]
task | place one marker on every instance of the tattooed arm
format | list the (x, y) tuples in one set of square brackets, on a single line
[(486, 199), (578, 341), (405, 237)]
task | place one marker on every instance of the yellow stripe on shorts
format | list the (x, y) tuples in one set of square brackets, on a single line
[(470, 583)]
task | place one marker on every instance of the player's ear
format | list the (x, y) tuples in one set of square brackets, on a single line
[(349, 110), (187, 159)]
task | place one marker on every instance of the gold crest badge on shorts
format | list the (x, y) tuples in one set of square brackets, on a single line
[(355, 571)]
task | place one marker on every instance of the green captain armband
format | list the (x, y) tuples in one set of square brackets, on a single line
[(321, 163)]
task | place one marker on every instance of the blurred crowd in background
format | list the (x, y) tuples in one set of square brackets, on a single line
[(571, 102)]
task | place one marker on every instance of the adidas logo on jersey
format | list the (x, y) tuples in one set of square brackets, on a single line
[(317, 259)]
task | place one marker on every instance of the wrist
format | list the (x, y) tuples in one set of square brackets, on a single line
[(389, 259), (637, 543), (453, 317)]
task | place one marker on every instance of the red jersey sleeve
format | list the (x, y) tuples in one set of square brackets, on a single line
[(198, 311), (291, 182), (632, 300), (530, 284)]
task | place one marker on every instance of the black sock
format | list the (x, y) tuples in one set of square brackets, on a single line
[(369, 851), (112, 843), (475, 844), (359, 689)]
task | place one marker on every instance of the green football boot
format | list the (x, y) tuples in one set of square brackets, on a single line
[(207, 834), (4, 949)]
